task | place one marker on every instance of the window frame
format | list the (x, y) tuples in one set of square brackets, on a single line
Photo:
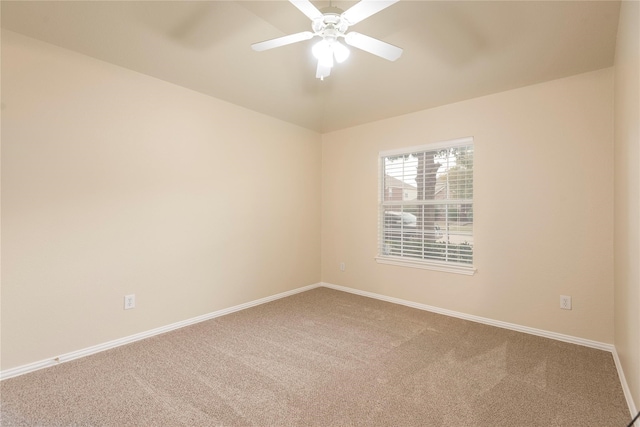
[(404, 261)]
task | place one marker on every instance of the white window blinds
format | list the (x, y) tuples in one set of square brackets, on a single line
[(426, 204)]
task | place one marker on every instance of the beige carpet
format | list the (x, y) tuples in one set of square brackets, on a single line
[(326, 358)]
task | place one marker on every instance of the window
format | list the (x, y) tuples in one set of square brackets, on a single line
[(426, 206)]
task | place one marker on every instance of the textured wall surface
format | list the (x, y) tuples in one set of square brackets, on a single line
[(543, 206), (115, 183), (627, 194)]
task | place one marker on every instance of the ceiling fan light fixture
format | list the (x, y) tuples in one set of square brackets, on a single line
[(332, 24), (323, 52), (341, 52)]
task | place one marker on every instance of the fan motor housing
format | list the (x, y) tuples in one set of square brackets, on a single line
[(330, 23)]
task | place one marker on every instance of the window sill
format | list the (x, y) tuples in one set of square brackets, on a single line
[(427, 265)]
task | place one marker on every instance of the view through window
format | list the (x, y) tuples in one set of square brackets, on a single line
[(426, 205)]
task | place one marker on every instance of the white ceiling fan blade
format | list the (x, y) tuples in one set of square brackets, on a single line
[(282, 41), (364, 9), (322, 71), (306, 7), (374, 46)]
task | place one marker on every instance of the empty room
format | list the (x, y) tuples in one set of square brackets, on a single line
[(320, 213)]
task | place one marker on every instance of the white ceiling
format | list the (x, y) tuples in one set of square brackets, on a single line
[(453, 50)]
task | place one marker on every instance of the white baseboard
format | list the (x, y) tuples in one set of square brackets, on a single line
[(625, 386), (512, 326), (24, 369), (478, 319), (31, 367)]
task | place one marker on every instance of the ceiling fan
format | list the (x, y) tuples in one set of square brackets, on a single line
[(332, 24)]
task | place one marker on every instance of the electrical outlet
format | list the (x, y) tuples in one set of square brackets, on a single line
[(565, 302), (342, 266), (129, 301)]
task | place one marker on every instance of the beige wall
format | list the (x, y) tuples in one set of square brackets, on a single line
[(115, 183), (543, 206), (627, 195)]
